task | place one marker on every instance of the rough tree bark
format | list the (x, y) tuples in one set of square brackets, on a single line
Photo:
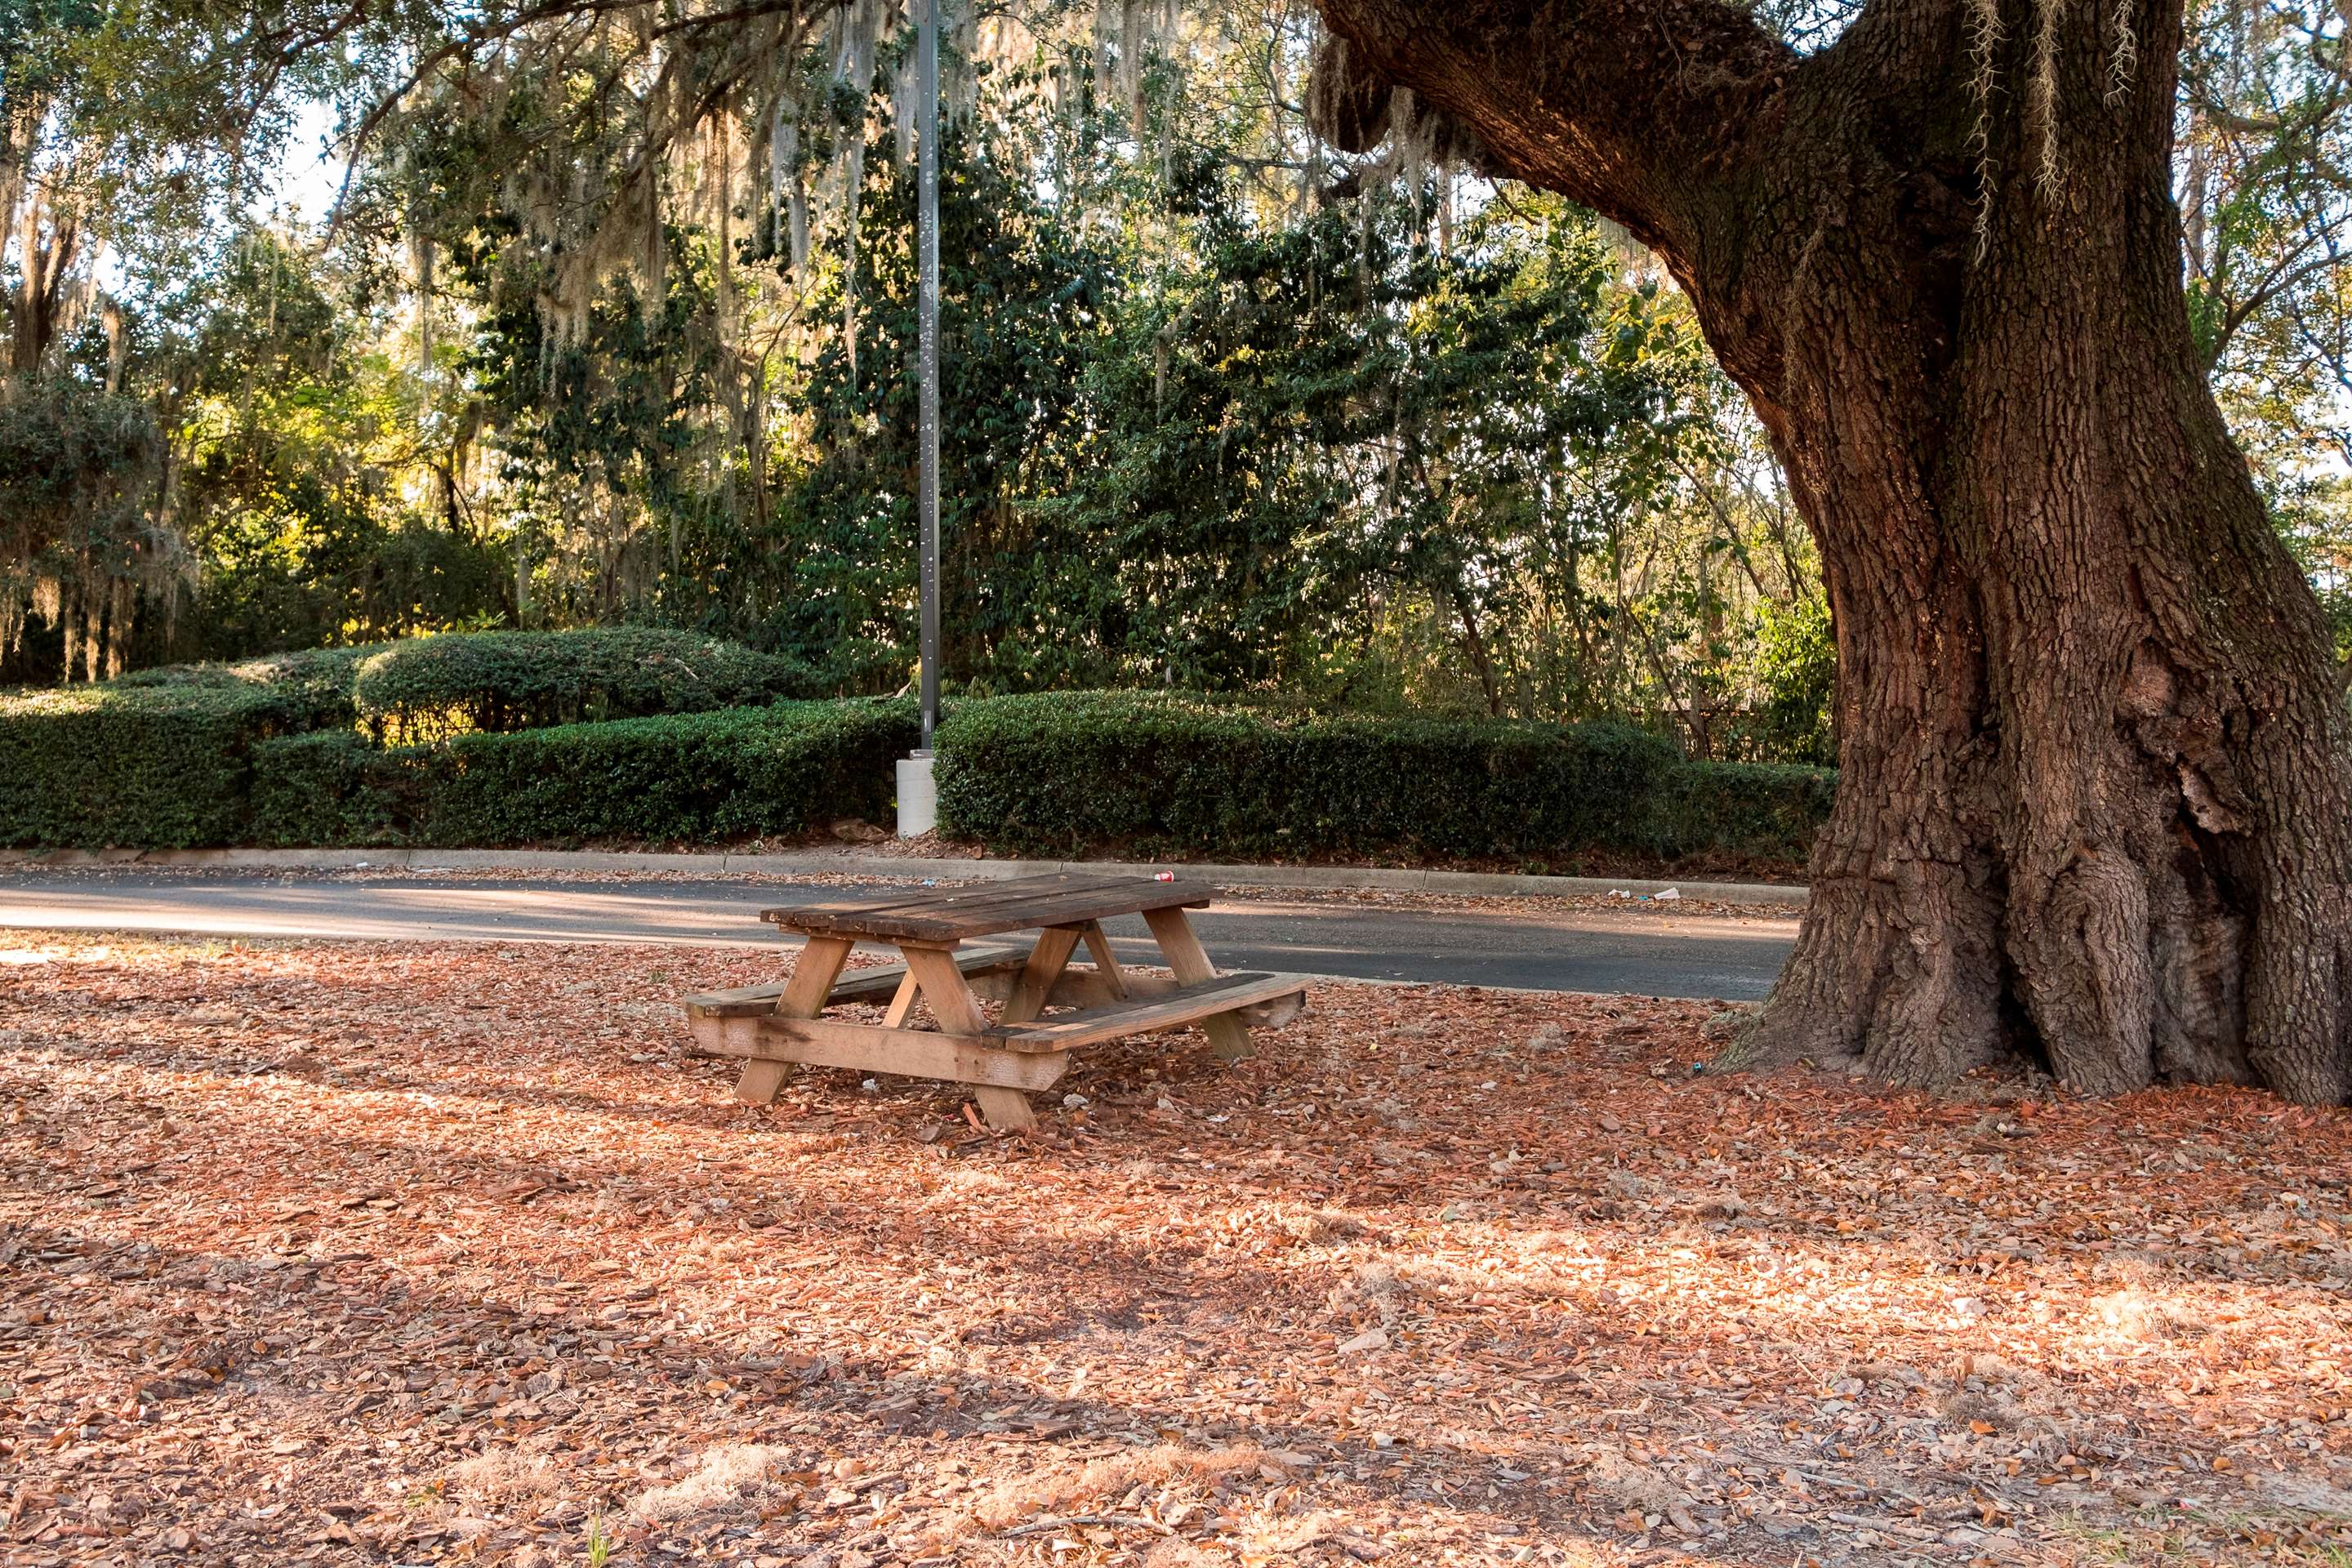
[(2093, 805)]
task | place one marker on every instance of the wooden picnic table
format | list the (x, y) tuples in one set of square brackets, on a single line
[(1049, 1009)]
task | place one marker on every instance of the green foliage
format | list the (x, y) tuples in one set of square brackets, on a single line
[(1223, 407), (217, 755), (1740, 814), (430, 687), (1164, 773), (155, 767), (76, 466), (329, 787), (79, 470), (1210, 449), (188, 755), (2265, 132), (609, 511), (312, 688), (320, 484), (684, 778), (594, 358), (1027, 299), (1795, 666), (1314, 424)]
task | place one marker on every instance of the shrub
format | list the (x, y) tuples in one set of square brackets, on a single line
[(217, 754), (100, 766), (432, 687), (331, 787), (1173, 774), (1742, 812), (677, 778), (311, 686)]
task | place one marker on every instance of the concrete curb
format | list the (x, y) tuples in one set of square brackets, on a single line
[(1766, 894)]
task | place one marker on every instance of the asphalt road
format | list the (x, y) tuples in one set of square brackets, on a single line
[(1733, 957)]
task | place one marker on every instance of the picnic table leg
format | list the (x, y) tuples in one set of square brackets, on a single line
[(902, 1002), (1228, 1036), (1036, 983), (957, 1010), (820, 966), (1106, 961)]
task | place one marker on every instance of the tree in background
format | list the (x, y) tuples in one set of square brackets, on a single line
[(129, 138), (2266, 205), (77, 476), (1136, 382), (611, 325), (311, 471)]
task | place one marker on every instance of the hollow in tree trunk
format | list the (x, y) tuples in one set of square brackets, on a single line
[(2093, 806)]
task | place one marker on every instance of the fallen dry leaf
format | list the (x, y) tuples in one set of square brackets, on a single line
[(357, 1253)]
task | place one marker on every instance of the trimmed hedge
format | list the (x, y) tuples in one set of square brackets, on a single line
[(312, 686), (156, 766), (431, 687), (226, 754), (1173, 774), (424, 688), (1742, 810), (733, 773)]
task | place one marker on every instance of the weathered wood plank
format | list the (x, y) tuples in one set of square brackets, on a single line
[(948, 914), (1228, 1036), (867, 1047), (804, 994), (884, 903), (865, 985), (1079, 987), (950, 995), (741, 1002), (1005, 1109), (1075, 988), (853, 985), (1003, 1105), (921, 900), (1036, 984), (902, 1002), (1106, 961), (772, 1028), (1219, 997)]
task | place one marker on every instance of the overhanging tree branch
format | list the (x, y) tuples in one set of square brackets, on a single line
[(1625, 105)]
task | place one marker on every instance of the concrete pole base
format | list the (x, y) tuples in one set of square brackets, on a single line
[(919, 796)]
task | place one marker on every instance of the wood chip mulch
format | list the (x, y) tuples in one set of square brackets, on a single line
[(383, 1253)]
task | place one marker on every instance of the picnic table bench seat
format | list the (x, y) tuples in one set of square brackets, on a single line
[(854, 984), (775, 1027)]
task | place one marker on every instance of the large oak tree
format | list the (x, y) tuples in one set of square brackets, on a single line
[(2093, 738)]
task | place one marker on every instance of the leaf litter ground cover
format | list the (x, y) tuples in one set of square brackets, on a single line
[(407, 1253)]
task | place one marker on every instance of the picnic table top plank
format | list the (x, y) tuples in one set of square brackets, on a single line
[(983, 899), (921, 898), (951, 914)]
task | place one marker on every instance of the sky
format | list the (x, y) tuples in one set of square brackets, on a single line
[(308, 176)]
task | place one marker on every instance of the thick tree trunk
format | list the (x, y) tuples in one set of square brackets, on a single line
[(2093, 805)]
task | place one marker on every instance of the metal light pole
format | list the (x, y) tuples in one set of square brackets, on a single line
[(917, 796), (928, 316)]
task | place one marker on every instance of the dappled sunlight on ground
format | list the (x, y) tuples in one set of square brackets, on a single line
[(362, 1252)]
